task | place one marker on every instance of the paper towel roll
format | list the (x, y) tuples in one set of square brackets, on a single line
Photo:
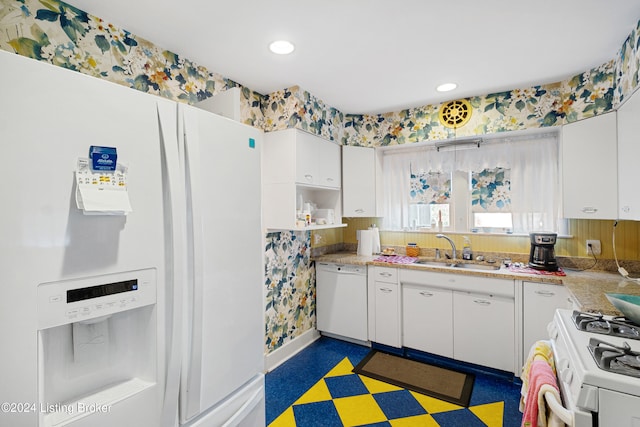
[(365, 242), (375, 247)]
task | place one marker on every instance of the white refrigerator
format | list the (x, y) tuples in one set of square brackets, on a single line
[(129, 297)]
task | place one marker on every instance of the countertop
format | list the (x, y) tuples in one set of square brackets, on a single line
[(588, 288)]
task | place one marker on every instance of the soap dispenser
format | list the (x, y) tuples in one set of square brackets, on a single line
[(466, 249)]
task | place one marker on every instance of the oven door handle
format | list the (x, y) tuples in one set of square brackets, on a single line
[(559, 414)]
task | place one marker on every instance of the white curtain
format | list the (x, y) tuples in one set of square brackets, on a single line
[(532, 160), (396, 180)]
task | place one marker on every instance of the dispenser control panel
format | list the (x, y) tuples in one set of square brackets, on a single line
[(98, 291), (88, 298)]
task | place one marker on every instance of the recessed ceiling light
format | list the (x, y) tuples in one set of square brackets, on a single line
[(446, 87), (281, 47)]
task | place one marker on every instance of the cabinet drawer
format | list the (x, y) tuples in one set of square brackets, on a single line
[(459, 282), (385, 274)]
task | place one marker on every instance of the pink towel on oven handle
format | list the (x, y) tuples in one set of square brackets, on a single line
[(541, 380)]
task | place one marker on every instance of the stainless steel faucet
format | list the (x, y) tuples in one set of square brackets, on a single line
[(453, 245)]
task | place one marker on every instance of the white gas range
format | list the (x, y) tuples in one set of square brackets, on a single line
[(604, 393)]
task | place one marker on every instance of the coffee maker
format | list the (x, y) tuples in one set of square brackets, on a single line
[(542, 255)]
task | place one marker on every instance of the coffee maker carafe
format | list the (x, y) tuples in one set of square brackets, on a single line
[(542, 255)]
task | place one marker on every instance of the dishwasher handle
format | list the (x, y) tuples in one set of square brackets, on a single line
[(347, 269)]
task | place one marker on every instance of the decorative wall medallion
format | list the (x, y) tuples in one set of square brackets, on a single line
[(455, 114)]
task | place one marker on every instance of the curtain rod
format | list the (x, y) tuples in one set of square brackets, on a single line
[(514, 136), (457, 142)]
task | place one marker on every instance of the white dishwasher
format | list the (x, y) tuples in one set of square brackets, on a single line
[(341, 300)]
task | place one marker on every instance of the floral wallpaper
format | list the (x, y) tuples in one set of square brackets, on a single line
[(56, 32), (290, 287), (60, 34), (582, 96), (295, 108), (627, 64)]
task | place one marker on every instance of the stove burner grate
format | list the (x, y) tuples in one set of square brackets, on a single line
[(619, 359), (596, 323)]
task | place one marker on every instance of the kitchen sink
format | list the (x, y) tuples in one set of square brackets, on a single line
[(435, 264), (462, 265), (477, 266)]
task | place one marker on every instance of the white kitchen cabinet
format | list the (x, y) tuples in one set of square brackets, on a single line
[(297, 164), (360, 176), (540, 301), (384, 306), (427, 319), (317, 160), (484, 330), (628, 155), (295, 156), (226, 103), (589, 165), (476, 313)]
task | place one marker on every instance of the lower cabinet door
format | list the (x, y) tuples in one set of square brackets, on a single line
[(484, 330), (427, 319), (540, 301), (387, 315)]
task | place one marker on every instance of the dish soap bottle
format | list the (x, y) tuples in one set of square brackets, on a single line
[(466, 249)]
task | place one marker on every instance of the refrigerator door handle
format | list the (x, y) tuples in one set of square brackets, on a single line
[(194, 232), (173, 185)]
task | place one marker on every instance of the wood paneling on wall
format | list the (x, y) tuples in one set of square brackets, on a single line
[(627, 236)]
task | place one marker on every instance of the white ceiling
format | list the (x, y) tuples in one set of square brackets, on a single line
[(376, 56)]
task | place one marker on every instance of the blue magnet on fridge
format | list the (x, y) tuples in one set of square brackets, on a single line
[(252, 143), (103, 158)]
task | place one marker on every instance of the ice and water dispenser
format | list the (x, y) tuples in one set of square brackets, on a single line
[(97, 347)]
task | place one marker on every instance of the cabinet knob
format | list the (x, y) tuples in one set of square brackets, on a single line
[(426, 294), (482, 302), (308, 177), (386, 290), (589, 209), (359, 210)]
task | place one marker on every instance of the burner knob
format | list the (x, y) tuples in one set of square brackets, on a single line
[(563, 364), (566, 375)]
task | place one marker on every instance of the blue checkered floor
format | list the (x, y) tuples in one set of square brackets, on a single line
[(317, 388)]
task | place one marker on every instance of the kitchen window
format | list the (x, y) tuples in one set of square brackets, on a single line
[(429, 198), (507, 185)]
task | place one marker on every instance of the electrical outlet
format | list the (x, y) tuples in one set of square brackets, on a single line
[(595, 248)]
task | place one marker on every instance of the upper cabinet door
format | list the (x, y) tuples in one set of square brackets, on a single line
[(628, 155), (589, 168), (317, 161), (328, 157), (358, 181), (307, 165)]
